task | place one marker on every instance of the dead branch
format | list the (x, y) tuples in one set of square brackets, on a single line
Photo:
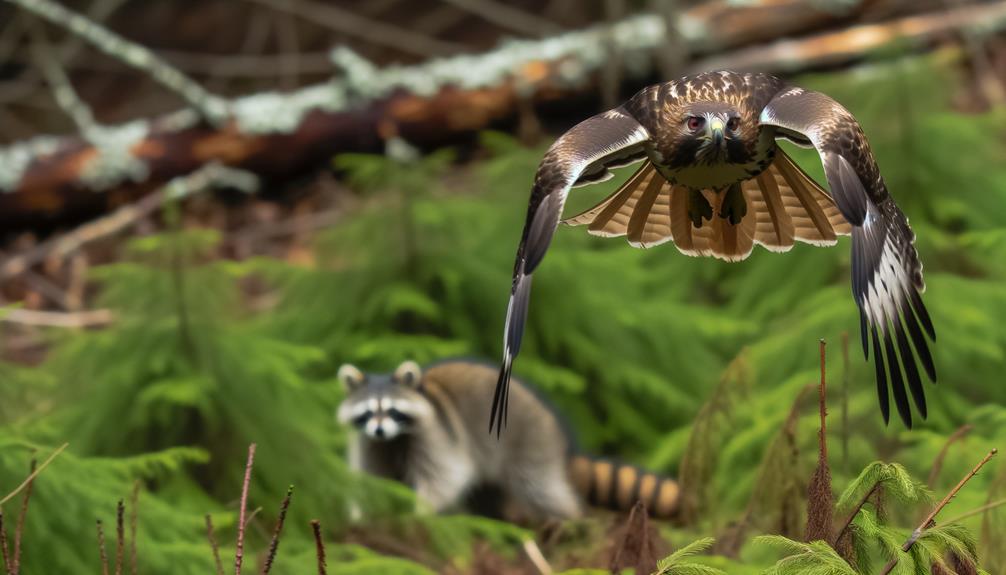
[(214, 546), (212, 108), (351, 24), (508, 17), (819, 496), (61, 246), (275, 135), (929, 521), (71, 320), (319, 546), (239, 553), (274, 542)]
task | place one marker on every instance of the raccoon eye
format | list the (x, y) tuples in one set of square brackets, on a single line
[(361, 420), (398, 416), (733, 124), (695, 122)]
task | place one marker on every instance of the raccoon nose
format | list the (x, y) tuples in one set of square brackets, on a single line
[(379, 432)]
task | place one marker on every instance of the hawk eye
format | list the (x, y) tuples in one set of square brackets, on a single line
[(695, 122), (733, 124)]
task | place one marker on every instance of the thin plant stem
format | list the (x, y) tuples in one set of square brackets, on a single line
[(239, 554), (929, 520), (211, 536), (973, 512), (120, 536), (274, 542), (33, 475), (101, 549), (134, 514), (319, 546), (19, 529), (3, 547)]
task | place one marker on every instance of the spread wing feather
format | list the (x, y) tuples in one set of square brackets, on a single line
[(580, 156), (784, 205), (886, 271)]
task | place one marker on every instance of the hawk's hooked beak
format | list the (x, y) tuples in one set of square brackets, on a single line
[(716, 128)]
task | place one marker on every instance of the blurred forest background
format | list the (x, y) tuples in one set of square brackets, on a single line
[(207, 206)]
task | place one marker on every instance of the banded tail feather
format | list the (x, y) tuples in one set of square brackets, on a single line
[(785, 205), (612, 485)]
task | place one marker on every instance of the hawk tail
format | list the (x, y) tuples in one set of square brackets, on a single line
[(784, 205)]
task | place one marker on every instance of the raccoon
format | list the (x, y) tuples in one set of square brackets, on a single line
[(427, 429)]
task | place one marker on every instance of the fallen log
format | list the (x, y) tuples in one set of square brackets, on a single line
[(278, 135)]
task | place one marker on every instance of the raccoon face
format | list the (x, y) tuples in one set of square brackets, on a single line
[(384, 406)]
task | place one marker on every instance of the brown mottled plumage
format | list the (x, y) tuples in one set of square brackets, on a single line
[(714, 182)]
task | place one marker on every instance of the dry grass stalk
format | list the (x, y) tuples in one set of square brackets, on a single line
[(819, 496), (3, 547), (211, 536), (319, 546), (929, 521), (239, 554), (34, 474), (134, 513), (120, 536), (101, 549), (956, 436), (19, 529), (274, 542)]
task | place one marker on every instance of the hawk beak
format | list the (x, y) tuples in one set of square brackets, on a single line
[(716, 126)]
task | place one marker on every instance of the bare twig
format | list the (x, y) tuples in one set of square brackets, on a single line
[(823, 408), (34, 474), (239, 554), (819, 505), (214, 546), (212, 108), (19, 530), (120, 536), (930, 519), (134, 514), (855, 512), (319, 546), (274, 542), (101, 549), (356, 26), (7, 568), (508, 17), (536, 557), (973, 512), (62, 89), (202, 179), (934, 473), (72, 319)]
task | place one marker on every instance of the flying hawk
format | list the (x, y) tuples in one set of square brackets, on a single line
[(714, 182)]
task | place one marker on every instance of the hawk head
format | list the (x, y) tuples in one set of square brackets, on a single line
[(707, 133)]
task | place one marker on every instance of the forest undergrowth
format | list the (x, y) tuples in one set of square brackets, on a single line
[(701, 370)]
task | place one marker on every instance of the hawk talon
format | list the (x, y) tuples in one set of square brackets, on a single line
[(733, 207), (698, 208)]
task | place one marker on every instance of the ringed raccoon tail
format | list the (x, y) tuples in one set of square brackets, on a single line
[(604, 483)]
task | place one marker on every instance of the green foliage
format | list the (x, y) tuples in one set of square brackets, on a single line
[(677, 563), (690, 366)]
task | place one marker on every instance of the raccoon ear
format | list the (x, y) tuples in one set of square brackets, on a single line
[(350, 376), (409, 373)]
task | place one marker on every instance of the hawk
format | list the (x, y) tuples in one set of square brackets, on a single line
[(714, 182)]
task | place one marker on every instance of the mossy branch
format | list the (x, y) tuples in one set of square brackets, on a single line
[(212, 108)]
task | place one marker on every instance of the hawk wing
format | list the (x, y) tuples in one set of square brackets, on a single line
[(886, 271), (581, 156)]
